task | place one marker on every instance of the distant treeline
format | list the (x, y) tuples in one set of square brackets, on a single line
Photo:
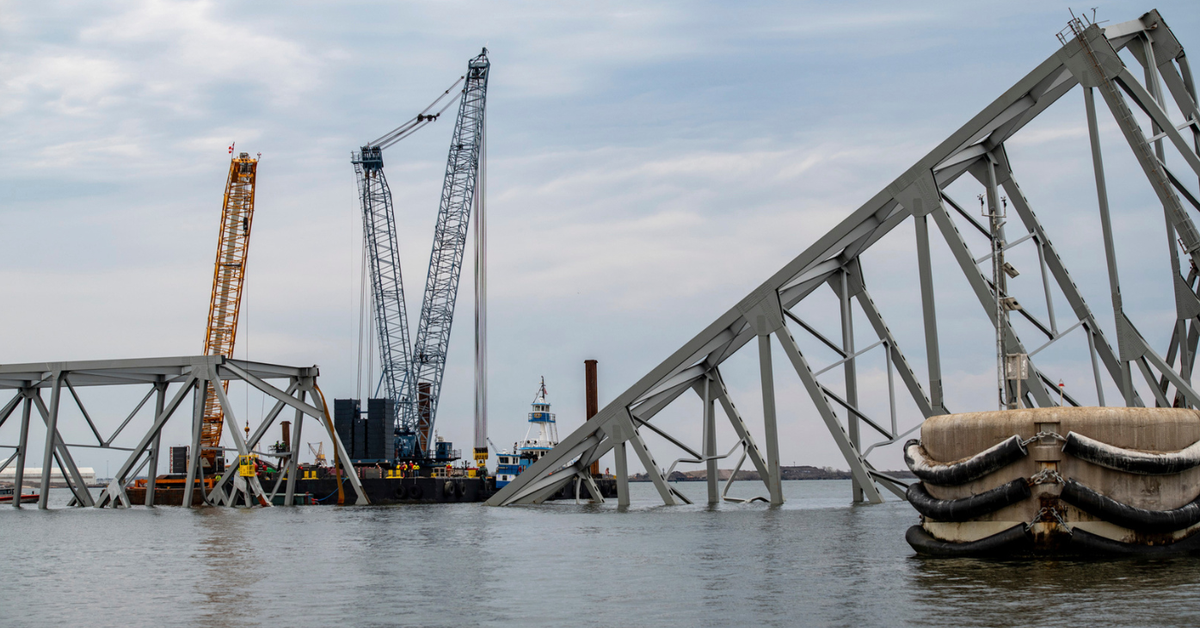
[(803, 472)]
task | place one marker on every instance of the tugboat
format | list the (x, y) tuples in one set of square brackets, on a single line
[(7, 495), (530, 450)]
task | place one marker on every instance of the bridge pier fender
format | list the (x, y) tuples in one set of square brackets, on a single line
[(1115, 490)]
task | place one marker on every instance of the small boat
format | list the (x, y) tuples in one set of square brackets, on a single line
[(510, 464), (7, 495)]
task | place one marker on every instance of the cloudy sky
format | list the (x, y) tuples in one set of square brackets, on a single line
[(648, 165)]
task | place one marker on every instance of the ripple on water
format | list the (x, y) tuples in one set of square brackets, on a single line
[(815, 561)]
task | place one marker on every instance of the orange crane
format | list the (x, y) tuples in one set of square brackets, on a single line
[(229, 276)]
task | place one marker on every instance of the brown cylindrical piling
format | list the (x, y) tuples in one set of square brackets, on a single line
[(593, 405)]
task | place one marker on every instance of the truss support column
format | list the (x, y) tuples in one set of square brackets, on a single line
[(1095, 365), (710, 442), (858, 467), (23, 446), (770, 426), (929, 309), (622, 468), (62, 455), (51, 432), (252, 488), (851, 375), (1109, 248), (155, 445), (294, 456), (194, 454), (643, 453)]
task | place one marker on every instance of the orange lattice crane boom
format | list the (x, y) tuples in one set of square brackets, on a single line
[(229, 274)]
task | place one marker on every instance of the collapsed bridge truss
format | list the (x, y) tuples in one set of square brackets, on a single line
[(1088, 58), (169, 382)]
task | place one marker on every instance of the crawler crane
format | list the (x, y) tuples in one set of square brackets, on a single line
[(411, 376), (229, 274)]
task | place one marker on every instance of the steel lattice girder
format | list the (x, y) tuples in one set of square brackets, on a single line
[(449, 245), (1090, 59), (387, 282), (191, 375)]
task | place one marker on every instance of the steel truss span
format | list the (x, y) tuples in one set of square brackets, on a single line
[(169, 382), (1089, 60)]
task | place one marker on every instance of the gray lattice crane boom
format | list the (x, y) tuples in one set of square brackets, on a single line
[(410, 375), (387, 285), (449, 243)]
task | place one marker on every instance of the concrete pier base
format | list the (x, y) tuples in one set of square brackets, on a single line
[(1049, 521)]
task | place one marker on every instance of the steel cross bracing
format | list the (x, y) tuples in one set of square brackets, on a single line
[(169, 381), (1088, 57), (449, 244)]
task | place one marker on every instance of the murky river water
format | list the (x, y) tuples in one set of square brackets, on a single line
[(814, 561)]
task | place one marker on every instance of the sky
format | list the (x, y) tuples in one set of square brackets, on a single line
[(649, 164)]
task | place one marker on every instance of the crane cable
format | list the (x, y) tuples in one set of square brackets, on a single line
[(418, 121), (362, 299), (388, 139)]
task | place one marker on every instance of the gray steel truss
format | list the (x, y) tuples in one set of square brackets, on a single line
[(169, 381), (1088, 58)]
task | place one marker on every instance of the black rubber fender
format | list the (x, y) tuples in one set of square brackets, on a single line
[(415, 492), (967, 508), (400, 492), (1124, 515), (1009, 542), (967, 470), (1086, 543), (1130, 460)]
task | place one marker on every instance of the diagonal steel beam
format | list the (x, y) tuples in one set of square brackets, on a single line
[(10, 406), (1059, 270), (163, 414), (739, 427), (857, 467), (897, 356), (71, 474), (643, 453), (980, 285), (79, 404)]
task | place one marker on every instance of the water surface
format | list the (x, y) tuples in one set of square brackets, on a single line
[(817, 560)]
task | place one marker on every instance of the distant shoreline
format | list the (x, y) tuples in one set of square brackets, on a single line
[(803, 472)]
